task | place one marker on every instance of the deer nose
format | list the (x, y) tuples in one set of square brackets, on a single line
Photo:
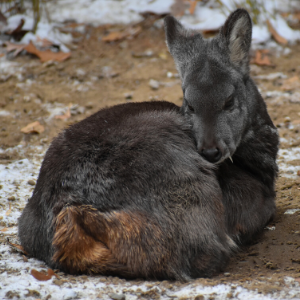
[(212, 155)]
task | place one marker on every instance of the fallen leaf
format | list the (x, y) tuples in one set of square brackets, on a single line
[(178, 8), (114, 36), (34, 127), (120, 35), (43, 42), (47, 54), (25, 259), (66, 116), (41, 276), (192, 7), (261, 58), (278, 38), (19, 247), (17, 48), (18, 32), (4, 229), (9, 210), (3, 19), (18, 28), (290, 83)]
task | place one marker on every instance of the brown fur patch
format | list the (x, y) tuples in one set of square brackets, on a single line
[(88, 241), (76, 249)]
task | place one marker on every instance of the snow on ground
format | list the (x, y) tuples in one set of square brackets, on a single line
[(208, 15)]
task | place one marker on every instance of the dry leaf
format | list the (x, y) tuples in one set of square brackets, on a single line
[(34, 127), (261, 58), (120, 35), (43, 42), (66, 116), (114, 36), (178, 8), (9, 210), (48, 54), (19, 247), (3, 19), (41, 276), (17, 48), (18, 28), (290, 83), (278, 38), (25, 259), (4, 229), (18, 32), (192, 7)]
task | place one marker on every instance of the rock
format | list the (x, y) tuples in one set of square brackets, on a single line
[(128, 96), (31, 182), (115, 296), (154, 84), (70, 295), (11, 198)]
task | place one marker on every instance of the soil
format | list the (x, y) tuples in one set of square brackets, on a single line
[(101, 74)]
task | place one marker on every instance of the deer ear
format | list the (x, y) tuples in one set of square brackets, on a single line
[(237, 32), (174, 32), (181, 43)]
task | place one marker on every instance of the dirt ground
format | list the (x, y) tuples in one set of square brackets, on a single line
[(101, 74)]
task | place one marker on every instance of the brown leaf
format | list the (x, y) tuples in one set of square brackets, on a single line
[(278, 38), (261, 58), (17, 48), (120, 35), (18, 28), (3, 19), (290, 83), (192, 7), (25, 259), (41, 276), (4, 229), (34, 127), (18, 32), (9, 210), (66, 116), (19, 247), (178, 8), (44, 42), (47, 54), (114, 36)]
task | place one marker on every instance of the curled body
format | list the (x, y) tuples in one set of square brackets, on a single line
[(154, 190)]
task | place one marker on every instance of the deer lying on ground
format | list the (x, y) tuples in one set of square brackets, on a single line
[(154, 190)]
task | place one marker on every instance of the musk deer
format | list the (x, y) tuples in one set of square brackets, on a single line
[(152, 190)]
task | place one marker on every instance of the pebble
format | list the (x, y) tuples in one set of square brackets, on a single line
[(31, 182), (11, 198), (115, 296), (227, 274), (154, 84), (70, 295), (128, 96)]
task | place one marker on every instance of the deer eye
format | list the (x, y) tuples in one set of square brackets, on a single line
[(191, 108), (229, 103)]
